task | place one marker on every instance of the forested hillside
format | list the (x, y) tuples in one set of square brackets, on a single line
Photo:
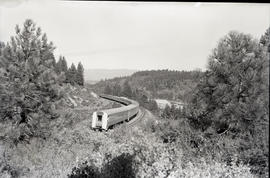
[(165, 84)]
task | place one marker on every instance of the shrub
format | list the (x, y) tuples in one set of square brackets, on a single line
[(118, 167), (85, 170)]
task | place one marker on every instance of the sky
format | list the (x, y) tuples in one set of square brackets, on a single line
[(135, 35)]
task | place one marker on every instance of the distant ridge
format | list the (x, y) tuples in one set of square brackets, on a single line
[(92, 75)]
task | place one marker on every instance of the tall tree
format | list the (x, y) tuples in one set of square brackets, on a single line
[(64, 67), (2, 45), (71, 74), (108, 90), (116, 90), (233, 97), (265, 39), (229, 94), (127, 89), (80, 76), (58, 65), (28, 84)]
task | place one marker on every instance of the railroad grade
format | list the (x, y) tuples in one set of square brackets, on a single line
[(137, 119)]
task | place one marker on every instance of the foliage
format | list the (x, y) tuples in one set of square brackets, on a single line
[(169, 151), (61, 66), (172, 112), (127, 92), (153, 147), (29, 86), (72, 75), (119, 167), (265, 39), (108, 90), (116, 91), (166, 84), (79, 75), (85, 170), (232, 97)]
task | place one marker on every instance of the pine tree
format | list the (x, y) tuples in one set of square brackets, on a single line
[(2, 45), (153, 105), (53, 60), (72, 74), (108, 90), (127, 92), (58, 65), (233, 97), (230, 91), (80, 77), (63, 65), (28, 84), (265, 39), (116, 90)]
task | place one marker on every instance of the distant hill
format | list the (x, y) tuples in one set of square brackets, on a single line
[(94, 75), (163, 84)]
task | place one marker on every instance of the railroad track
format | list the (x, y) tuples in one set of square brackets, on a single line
[(137, 119)]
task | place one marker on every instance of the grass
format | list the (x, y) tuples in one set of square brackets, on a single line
[(72, 142)]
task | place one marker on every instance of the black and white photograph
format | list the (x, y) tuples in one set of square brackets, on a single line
[(134, 89)]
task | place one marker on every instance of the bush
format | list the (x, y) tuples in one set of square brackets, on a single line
[(85, 171), (118, 167)]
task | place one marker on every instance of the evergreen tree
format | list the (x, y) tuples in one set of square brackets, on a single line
[(233, 97), (265, 39), (2, 45), (108, 90), (58, 65), (72, 74), (80, 78), (63, 66), (53, 60), (116, 90), (152, 106), (230, 93), (28, 84), (127, 92)]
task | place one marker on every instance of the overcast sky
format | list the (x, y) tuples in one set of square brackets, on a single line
[(135, 35)]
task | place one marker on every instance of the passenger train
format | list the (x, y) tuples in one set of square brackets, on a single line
[(104, 119)]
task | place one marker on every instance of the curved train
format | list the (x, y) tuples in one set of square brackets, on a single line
[(104, 119)]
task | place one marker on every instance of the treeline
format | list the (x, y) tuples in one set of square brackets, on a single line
[(72, 74), (133, 93), (164, 84), (156, 80), (169, 75), (30, 82)]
